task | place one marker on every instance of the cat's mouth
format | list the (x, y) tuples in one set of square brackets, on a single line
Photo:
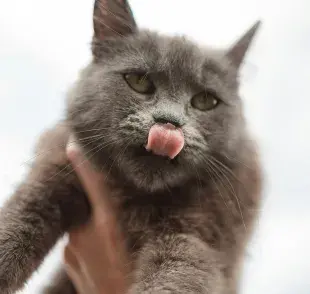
[(165, 139), (162, 146), (145, 153)]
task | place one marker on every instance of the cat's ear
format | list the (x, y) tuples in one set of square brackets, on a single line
[(238, 51), (112, 18)]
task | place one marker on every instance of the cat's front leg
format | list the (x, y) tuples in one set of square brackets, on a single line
[(178, 264), (42, 208)]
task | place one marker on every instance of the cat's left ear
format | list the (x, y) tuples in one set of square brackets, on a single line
[(112, 18), (238, 51)]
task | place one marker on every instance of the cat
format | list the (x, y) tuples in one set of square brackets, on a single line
[(162, 117)]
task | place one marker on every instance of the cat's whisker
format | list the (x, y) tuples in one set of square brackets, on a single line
[(199, 184), (63, 145), (144, 77), (126, 147), (225, 167), (101, 147), (238, 161), (223, 171), (92, 130), (95, 137), (228, 170), (86, 158), (232, 190), (116, 157), (215, 184)]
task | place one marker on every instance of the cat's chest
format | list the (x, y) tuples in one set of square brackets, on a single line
[(193, 212), (143, 222)]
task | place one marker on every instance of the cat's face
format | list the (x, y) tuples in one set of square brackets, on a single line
[(142, 79)]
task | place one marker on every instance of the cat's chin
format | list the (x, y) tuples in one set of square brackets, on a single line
[(149, 156), (151, 183), (141, 169), (152, 173)]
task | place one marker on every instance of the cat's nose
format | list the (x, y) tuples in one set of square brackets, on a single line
[(169, 117)]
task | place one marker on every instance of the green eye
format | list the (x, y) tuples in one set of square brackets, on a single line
[(140, 82), (205, 101)]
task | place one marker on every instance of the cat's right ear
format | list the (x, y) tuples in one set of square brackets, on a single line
[(112, 18)]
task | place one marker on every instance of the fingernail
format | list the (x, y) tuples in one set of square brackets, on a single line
[(73, 151)]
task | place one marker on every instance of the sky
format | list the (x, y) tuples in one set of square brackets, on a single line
[(44, 44)]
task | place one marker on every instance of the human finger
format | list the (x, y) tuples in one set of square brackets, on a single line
[(92, 181)]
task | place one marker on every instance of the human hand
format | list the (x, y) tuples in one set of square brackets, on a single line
[(95, 255)]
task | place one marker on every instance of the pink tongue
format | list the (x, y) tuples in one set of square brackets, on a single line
[(165, 140)]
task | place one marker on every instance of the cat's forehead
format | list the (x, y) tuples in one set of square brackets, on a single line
[(176, 56), (180, 53), (180, 56)]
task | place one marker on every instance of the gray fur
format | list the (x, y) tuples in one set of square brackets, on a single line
[(186, 221)]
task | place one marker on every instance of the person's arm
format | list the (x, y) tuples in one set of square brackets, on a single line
[(95, 257)]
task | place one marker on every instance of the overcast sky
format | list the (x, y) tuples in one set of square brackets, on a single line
[(45, 43)]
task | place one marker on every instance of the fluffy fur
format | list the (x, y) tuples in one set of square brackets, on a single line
[(186, 221)]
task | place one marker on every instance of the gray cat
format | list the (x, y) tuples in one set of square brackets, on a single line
[(162, 117)]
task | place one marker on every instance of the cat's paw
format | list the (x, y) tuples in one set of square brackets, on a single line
[(12, 268), (5, 285)]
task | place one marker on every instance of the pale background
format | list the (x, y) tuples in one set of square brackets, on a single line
[(45, 43)]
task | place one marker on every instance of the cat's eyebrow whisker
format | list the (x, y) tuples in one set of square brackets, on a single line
[(144, 77), (141, 56)]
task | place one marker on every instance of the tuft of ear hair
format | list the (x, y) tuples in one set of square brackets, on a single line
[(112, 18), (238, 51)]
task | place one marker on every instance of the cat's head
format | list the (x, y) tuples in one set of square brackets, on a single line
[(138, 79)]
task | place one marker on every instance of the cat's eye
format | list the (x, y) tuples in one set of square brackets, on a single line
[(205, 101), (140, 82)]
